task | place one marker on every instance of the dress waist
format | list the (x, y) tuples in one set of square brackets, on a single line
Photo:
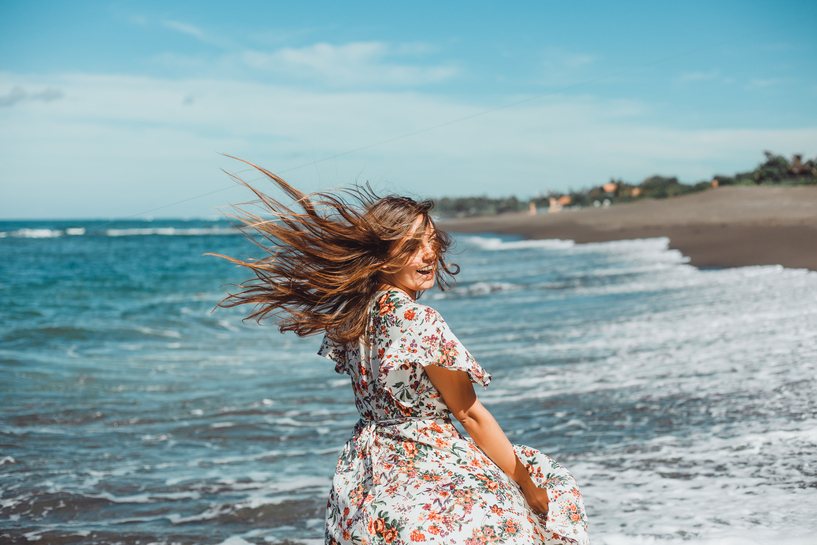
[(369, 433), (385, 422)]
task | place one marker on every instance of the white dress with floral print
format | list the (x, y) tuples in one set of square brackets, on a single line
[(407, 475)]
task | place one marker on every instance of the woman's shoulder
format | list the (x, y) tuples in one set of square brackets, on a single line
[(402, 307)]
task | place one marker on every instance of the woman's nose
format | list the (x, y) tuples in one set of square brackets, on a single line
[(427, 251)]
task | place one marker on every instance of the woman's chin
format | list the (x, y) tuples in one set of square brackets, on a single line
[(427, 285)]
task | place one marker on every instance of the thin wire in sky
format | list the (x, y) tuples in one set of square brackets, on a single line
[(466, 117)]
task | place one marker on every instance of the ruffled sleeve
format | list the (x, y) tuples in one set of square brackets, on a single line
[(412, 334), (335, 352)]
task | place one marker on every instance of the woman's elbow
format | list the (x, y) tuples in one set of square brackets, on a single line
[(469, 417)]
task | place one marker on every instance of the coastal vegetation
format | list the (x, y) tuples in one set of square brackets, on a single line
[(775, 170)]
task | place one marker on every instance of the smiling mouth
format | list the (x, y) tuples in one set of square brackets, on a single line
[(426, 271)]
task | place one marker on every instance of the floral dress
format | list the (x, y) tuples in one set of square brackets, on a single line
[(407, 475)]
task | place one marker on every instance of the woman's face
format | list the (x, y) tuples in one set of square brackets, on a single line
[(418, 272)]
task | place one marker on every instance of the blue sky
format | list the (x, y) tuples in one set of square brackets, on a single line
[(113, 109)]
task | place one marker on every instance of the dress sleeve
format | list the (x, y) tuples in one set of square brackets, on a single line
[(419, 335), (335, 352)]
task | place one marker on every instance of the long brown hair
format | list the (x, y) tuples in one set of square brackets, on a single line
[(322, 257)]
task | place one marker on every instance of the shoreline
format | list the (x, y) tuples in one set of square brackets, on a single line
[(717, 228)]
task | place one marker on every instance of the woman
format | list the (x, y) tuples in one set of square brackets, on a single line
[(352, 266)]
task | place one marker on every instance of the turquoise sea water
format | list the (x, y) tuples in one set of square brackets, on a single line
[(682, 400)]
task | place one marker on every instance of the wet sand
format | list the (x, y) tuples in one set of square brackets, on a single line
[(723, 227)]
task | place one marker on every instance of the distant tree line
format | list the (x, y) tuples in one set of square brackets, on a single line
[(477, 206), (775, 170)]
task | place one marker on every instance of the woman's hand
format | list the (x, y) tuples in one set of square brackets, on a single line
[(537, 498)]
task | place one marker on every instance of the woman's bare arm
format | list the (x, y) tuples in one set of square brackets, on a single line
[(458, 393)]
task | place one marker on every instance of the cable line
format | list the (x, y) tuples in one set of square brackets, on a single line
[(465, 118)]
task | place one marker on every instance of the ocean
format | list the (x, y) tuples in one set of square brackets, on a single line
[(684, 401)]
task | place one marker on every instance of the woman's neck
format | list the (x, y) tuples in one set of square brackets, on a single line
[(392, 287)]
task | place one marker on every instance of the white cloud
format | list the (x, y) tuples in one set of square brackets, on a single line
[(117, 146), (353, 64), (18, 94), (185, 28), (196, 32), (14, 96)]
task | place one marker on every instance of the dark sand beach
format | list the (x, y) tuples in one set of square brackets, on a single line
[(723, 227)]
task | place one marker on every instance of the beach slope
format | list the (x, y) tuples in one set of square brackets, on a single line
[(723, 227)]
